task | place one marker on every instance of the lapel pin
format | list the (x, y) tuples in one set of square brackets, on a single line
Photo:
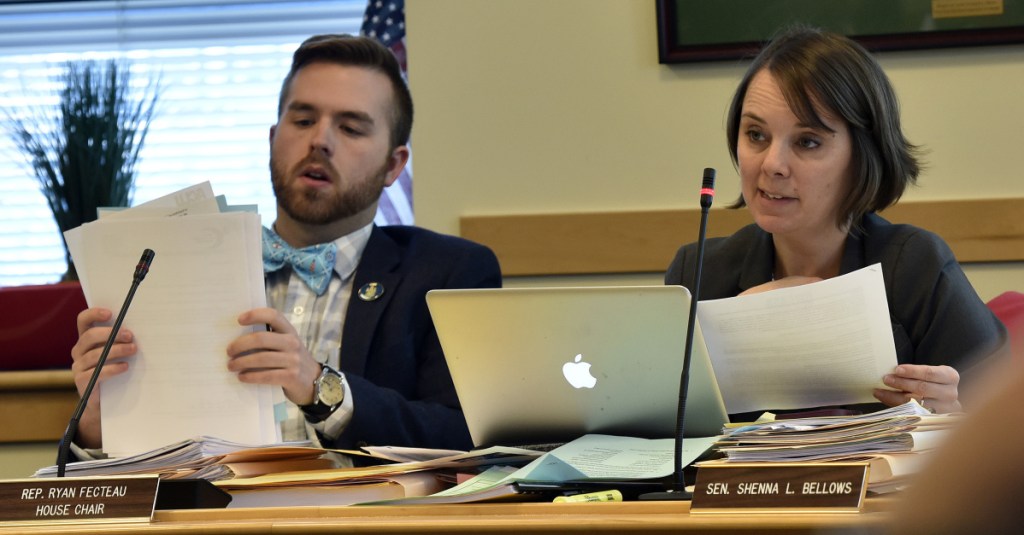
[(371, 291)]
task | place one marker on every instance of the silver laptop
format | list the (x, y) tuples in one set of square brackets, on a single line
[(548, 365)]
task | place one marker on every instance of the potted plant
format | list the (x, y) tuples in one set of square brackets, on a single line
[(83, 150)]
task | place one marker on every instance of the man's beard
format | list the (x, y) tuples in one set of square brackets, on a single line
[(314, 206)]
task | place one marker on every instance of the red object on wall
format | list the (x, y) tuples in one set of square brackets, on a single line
[(1009, 308), (39, 325)]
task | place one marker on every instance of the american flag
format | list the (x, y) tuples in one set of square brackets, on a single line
[(384, 20)]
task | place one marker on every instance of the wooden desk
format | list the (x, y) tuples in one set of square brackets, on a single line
[(620, 518)]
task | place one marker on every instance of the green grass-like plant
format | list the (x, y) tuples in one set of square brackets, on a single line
[(84, 150)]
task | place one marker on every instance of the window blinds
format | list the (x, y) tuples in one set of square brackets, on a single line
[(219, 65)]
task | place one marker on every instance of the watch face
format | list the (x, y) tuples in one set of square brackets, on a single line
[(331, 391)]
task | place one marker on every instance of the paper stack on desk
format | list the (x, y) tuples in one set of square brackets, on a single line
[(590, 459), (892, 441), (904, 428), (344, 486), (207, 270), (207, 458)]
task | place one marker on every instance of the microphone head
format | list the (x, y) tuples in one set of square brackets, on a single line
[(143, 267), (707, 188), (709, 179)]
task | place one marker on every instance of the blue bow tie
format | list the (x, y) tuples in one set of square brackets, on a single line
[(312, 264)]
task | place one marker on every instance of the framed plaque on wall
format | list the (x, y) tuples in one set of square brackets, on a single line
[(698, 30)]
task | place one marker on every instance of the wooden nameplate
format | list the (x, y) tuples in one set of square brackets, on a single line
[(780, 487), (78, 499)]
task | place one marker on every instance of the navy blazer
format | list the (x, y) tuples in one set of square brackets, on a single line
[(401, 387)]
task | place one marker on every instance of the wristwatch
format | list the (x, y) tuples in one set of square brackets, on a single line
[(328, 393)]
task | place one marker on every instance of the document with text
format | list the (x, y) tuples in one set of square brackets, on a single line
[(207, 270), (822, 344)]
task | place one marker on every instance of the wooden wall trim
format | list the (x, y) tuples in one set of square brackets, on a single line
[(36, 380), (37, 405), (981, 230)]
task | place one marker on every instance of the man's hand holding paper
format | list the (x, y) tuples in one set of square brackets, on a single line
[(273, 357), (93, 332), (166, 375)]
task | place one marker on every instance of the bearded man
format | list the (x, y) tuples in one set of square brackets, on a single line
[(349, 340)]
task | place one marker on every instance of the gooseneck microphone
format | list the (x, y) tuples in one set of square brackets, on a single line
[(64, 449), (678, 490)]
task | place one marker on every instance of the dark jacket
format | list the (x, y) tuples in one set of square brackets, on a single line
[(390, 354), (937, 317)]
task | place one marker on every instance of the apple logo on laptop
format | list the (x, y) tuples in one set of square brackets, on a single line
[(578, 374)]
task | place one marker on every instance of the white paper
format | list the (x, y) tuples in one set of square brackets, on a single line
[(207, 270), (822, 344), (196, 199), (611, 457)]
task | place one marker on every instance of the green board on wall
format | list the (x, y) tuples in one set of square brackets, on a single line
[(697, 30)]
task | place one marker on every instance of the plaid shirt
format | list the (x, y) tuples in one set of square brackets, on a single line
[(319, 321)]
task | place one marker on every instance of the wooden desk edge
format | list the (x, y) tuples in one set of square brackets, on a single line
[(36, 380), (625, 517)]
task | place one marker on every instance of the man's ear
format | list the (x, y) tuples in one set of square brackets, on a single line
[(396, 162), (273, 129)]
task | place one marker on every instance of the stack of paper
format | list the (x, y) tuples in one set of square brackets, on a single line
[(891, 441), (203, 458), (344, 486), (207, 270), (905, 428), (461, 461), (589, 459)]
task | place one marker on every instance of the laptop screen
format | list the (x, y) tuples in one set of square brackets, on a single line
[(541, 365)]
